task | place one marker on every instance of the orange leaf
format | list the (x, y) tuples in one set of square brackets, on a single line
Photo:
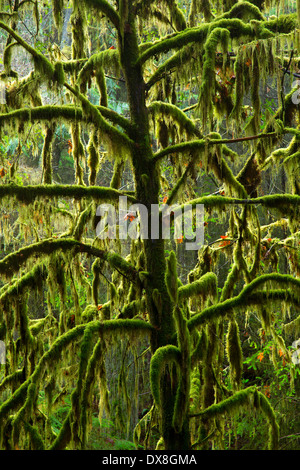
[(249, 62), (180, 240), (223, 236), (100, 307), (129, 217), (260, 356), (280, 352), (2, 172), (165, 199), (269, 240)]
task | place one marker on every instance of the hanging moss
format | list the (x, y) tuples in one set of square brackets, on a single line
[(162, 356), (168, 110), (171, 276), (47, 154), (234, 353), (58, 6), (244, 11), (206, 285), (207, 90), (29, 193), (244, 398), (36, 440), (82, 221), (109, 60), (224, 308)]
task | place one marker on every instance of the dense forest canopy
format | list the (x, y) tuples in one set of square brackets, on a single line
[(167, 103)]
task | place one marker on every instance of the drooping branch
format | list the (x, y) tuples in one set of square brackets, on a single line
[(64, 112), (40, 60), (200, 144), (204, 286), (115, 138), (162, 356), (32, 279), (26, 392), (30, 193), (249, 396), (243, 11), (240, 301), (107, 9), (282, 202), (12, 262), (198, 35), (170, 111)]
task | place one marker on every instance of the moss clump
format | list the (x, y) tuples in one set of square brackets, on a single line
[(234, 353), (171, 277), (249, 396), (206, 285), (162, 356)]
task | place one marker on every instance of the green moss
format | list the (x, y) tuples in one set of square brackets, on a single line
[(58, 13), (206, 285), (36, 440), (224, 308), (105, 7), (117, 175), (89, 314), (207, 90), (240, 400), (109, 60), (64, 435), (29, 193), (64, 113), (31, 280), (244, 11), (162, 356), (47, 154), (284, 24), (171, 276), (59, 74)]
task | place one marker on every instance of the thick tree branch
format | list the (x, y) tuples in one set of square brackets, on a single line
[(224, 308), (64, 112), (39, 58), (12, 262), (93, 116), (199, 34), (29, 193), (200, 144)]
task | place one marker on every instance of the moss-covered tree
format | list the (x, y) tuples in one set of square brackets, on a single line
[(224, 52)]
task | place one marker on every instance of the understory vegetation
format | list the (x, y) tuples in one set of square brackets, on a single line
[(111, 342)]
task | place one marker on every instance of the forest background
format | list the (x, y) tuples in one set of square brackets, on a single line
[(115, 344)]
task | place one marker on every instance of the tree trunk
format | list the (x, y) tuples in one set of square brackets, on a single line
[(147, 183)]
